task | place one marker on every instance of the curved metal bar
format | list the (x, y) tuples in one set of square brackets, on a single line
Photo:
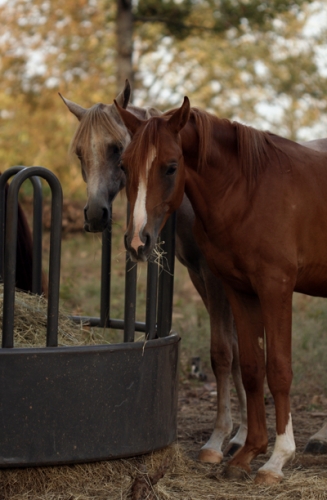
[(10, 254), (166, 278), (130, 295), (151, 300), (105, 277), (37, 225), (118, 324)]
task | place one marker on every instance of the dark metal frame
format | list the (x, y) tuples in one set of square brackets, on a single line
[(75, 404)]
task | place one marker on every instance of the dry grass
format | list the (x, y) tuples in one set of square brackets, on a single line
[(166, 475)]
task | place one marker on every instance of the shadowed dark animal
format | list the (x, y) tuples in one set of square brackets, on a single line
[(24, 259)]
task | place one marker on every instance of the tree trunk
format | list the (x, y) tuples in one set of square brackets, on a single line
[(124, 32)]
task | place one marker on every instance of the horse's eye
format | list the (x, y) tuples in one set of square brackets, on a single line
[(171, 170), (114, 150)]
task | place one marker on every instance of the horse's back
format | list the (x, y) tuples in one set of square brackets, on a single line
[(316, 144)]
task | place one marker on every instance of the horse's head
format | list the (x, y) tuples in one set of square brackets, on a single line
[(99, 142), (155, 177)]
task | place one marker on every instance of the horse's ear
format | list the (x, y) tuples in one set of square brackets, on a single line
[(180, 117), (132, 123), (74, 108), (124, 96)]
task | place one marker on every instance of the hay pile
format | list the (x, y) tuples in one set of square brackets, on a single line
[(30, 324), (165, 475)]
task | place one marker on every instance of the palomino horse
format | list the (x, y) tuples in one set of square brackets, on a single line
[(98, 142), (260, 218)]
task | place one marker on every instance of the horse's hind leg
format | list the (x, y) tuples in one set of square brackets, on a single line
[(317, 444), (223, 351), (239, 439)]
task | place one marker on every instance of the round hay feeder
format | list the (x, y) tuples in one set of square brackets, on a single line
[(87, 403)]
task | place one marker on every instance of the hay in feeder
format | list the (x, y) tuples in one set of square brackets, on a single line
[(30, 323)]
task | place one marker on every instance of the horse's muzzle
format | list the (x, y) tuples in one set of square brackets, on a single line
[(142, 253), (96, 224)]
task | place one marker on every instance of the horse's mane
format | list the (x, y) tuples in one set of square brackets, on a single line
[(253, 146), (96, 118), (256, 149)]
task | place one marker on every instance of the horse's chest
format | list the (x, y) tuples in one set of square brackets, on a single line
[(219, 254)]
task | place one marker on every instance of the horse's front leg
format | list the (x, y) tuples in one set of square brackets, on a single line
[(212, 294), (223, 338), (276, 302), (249, 324), (225, 360)]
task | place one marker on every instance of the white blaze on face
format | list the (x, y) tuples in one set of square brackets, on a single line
[(139, 214)]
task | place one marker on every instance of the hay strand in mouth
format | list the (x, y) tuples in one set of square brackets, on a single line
[(158, 256)]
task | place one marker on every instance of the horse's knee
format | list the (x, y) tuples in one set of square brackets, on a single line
[(252, 377), (279, 376), (221, 358)]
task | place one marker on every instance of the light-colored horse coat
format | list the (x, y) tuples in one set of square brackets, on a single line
[(99, 142)]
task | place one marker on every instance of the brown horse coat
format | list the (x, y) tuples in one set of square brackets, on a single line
[(261, 218)]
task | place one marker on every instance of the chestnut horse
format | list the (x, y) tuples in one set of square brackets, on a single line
[(99, 141), (260, 222)]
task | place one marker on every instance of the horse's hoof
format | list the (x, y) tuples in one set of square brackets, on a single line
[(231, 449), (316, 447), (210, 456), (267, 477), (236, 473)]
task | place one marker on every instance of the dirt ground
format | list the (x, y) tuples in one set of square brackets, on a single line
[(196, 415)]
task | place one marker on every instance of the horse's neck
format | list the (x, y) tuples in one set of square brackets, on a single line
[(213, 154), (207, 186)]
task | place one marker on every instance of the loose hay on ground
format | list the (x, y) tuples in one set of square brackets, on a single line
[(183, 479)]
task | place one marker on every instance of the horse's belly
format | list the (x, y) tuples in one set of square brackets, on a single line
[(312, 280)]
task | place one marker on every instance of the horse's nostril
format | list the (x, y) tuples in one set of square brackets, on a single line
[(147, 240), (85, 212)]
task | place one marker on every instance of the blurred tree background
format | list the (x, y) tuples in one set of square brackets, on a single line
[(260, 62)]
